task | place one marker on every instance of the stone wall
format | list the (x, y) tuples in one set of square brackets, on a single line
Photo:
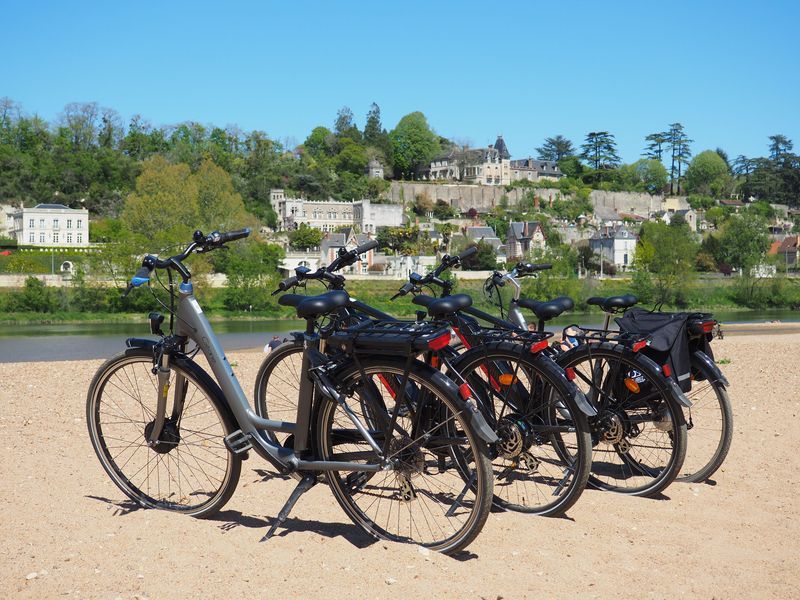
[(485, 197)]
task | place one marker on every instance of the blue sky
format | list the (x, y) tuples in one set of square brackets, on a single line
[(729, 71)]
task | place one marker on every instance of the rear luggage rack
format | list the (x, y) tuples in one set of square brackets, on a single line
[(636, 341), (392, 337)]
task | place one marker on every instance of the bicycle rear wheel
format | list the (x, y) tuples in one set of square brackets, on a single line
[(189, 470), (639, 434), (542, 462), (440, 490), (710, 425)]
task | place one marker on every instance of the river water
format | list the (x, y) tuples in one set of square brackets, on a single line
[(76, 341)]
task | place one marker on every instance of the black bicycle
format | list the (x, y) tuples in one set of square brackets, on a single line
[(541, 460)]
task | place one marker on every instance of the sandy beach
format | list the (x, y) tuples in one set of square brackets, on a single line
[(69, 532)]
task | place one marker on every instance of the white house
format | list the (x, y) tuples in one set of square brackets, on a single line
[(330, 215), (51, 225), (614, 244)]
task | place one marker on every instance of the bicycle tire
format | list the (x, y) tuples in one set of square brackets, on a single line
[(710, 425), (427, 489), (190, 470), (276, 386), (542, 464), (631, 425)]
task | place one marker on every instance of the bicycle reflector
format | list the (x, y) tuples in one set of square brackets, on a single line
[(507, 379), (464, 391), (667, 370), (632, 385), (439, 342), (539, 346), (570, 373), (639, 345)]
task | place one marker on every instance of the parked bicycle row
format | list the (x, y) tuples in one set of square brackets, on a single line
[(418, 426)]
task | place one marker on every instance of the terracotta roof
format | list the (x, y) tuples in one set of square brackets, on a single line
[(773, 248)]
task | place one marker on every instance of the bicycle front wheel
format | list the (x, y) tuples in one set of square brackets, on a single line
[(189, 469), (439, 491)]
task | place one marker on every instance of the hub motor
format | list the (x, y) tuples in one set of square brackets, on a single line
[(170, 436)]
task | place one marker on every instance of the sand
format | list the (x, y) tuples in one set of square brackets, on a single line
[(67, 531)]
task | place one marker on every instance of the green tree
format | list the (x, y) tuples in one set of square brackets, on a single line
[(655, 145), (646, 175), (779, 146), (707, 174), (485, 259), (744, 241), (680, 154), (305, 237), (555, 148), (252, 269), (668, 254), (600, 150), (413, 143)]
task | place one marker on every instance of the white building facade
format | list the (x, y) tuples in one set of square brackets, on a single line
[(330, 215), (51, 225), (614, 244)]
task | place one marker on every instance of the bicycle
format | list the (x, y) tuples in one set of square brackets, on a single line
[(422, 476), (638, 432), (683, 341), (526, 401)]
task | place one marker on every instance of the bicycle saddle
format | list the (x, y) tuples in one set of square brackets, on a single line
[(442, 307), (314, 306), (613, 303), (548, 309)]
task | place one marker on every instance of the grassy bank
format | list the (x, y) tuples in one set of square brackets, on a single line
[(699, 295)]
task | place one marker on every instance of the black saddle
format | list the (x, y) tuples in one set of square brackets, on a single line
[(313, 306), (613, 303), (548, 309), (442, 307)]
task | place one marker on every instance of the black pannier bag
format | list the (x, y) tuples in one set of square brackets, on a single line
[(670, 342)]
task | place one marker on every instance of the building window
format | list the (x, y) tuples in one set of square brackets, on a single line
[(55, 237), (69, 223), (80, 238), (69, 236), (80, 224), (55, 223), (30, 224), (41, 237), (41, 223), (30, 237)]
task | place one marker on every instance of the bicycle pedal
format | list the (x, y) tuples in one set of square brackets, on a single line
[(238, 442)]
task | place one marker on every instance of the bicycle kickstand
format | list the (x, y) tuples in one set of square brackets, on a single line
[(306, 483)]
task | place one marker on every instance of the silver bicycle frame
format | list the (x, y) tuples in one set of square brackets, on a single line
[(192, 323)]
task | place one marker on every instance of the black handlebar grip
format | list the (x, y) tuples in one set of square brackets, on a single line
[(233, 235), (287, 283), (468, 252), (366, 246), (542, 267)]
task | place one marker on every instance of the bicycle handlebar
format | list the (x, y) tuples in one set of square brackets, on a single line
[(201, 243)]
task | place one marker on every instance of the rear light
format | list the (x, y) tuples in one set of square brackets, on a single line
[(464, 391), (440, 342), (667, 370), (435, 362), (570, 373), (639, 345), (539, 346), (708, 326)]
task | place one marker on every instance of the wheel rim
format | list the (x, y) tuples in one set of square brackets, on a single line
[(187, 477), (534, 464), (416, 502), (634, 433)]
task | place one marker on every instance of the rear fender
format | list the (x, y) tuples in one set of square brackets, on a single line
[(701, 358), (668, 382), (547, 364)]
